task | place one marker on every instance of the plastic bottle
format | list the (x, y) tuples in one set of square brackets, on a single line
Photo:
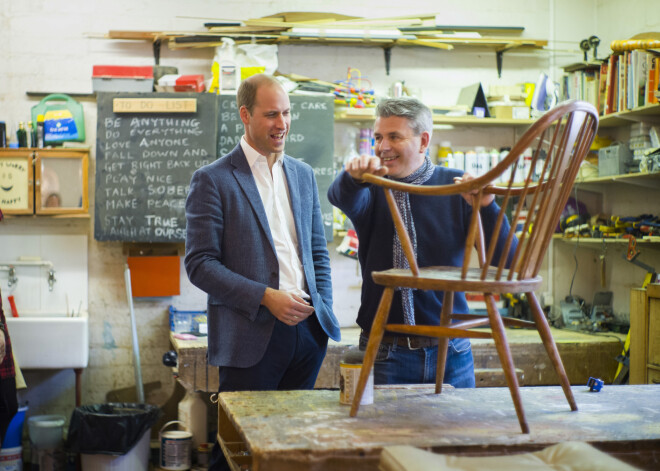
[(32, 134), (504, 178), (193, 412), (3, 134), (483, 162), (229, 76), (21, 135), (459, 160), (527, 163), (40, 131), (444, 153)]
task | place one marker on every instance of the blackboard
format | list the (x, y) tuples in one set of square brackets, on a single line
[(144, 162), (311, 139)]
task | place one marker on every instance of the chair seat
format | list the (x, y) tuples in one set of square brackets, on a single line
[(441, 278)]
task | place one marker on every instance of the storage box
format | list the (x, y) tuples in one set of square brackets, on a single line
[(181, 83), (613, 160), (188, 321), (509, 111), (121, 78)]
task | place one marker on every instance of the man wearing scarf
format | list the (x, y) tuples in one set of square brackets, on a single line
[(437, 227)]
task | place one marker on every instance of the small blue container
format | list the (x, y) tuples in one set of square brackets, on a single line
[(186, 321), (595, 384), (14, 435)]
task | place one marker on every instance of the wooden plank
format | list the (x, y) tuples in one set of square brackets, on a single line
[(292, 430), (638, 335), (583, 356), (133, 35), (494, 377), (154, 105), (654, 332)]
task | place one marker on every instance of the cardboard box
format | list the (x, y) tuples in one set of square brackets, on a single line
[(509, 111), (122, 78)]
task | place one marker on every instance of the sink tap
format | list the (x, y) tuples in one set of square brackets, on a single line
[(51, 279), (13, 279)]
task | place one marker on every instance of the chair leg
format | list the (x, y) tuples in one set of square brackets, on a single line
[(443, 342), (551, 348), (375, 337), (502, 346)]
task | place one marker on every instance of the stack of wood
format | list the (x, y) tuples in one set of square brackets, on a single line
[(331, 28)]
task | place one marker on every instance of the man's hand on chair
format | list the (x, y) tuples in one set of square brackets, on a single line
[(358, 166), (469, 196)]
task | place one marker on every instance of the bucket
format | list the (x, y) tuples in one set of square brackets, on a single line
[(46, 431), (10, 459), (175, 447), (137, 459), (14, 434)]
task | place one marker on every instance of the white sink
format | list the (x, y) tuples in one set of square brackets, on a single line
[(50, 341)]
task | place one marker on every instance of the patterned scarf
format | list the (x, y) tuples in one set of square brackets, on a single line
[(402, 199)]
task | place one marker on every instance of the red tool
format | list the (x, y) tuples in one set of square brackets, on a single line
[(14, 312)]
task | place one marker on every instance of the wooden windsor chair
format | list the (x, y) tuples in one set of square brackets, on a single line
[(560, 140)]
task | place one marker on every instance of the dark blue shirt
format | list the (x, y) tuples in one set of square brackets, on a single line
[(441, 225)]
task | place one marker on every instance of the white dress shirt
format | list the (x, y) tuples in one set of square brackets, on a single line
[(274, 192)]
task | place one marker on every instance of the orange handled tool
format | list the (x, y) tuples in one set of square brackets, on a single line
[(14, 312)]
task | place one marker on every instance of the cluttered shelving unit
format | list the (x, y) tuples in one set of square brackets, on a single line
[(342, 30), (622, 264)]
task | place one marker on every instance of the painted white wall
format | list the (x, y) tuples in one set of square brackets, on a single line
[(32, 294), (52, 46)]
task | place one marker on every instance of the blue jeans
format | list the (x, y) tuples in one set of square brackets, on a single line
[(401, 365)]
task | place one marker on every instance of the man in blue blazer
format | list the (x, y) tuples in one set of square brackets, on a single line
[(255, 243)]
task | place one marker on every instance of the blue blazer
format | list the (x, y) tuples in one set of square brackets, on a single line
[(231, 256)]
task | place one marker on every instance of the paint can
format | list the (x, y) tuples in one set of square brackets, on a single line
[(204, 455), (350, 368), (11, 459), (175, 447)]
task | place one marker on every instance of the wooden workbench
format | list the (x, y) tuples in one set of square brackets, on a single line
[(296, 430), (583, 355)]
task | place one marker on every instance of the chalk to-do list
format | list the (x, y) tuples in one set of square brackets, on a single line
[(144, 162)]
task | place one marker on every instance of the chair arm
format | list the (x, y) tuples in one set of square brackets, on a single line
[(440, 190)]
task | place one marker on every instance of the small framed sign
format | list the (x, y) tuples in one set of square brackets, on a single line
[(16, 182)]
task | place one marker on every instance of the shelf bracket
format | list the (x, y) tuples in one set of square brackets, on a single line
[(388, 56), (499, 55), (156, 46), (498, 58)]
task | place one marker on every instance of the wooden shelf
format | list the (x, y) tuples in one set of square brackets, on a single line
[(648, 180), (347, 117), (648, 113), (46, 216), (599, 241)]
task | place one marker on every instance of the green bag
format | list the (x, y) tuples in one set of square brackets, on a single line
[(63, 118)]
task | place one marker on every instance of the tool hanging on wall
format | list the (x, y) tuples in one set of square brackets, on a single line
[(631, 255), (603, 280), (591, 43)]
